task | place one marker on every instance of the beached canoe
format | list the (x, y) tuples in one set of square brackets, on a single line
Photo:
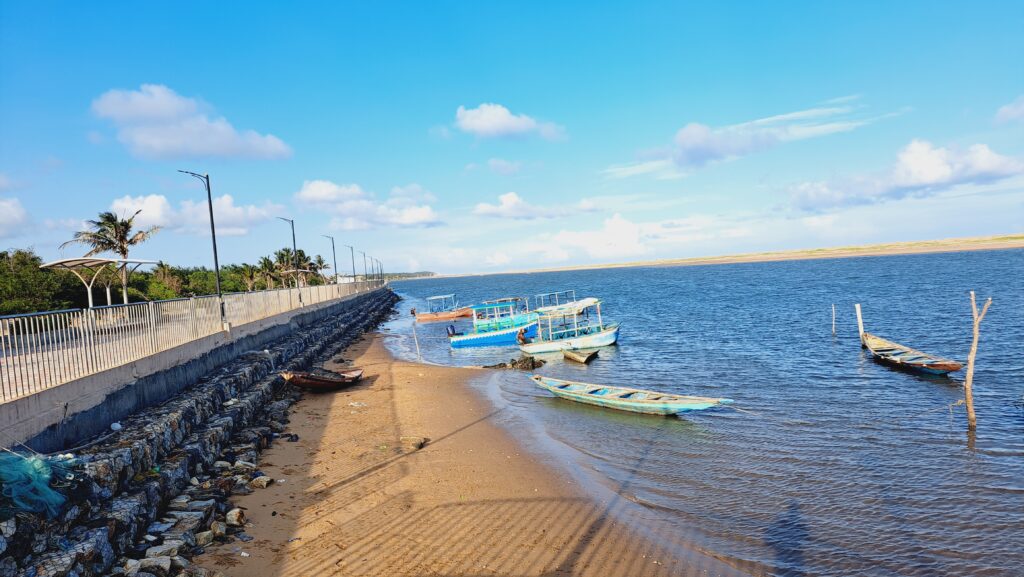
[(579, 356), (322, 383), (626, 399), (905, 357)]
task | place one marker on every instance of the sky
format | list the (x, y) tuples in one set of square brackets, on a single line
[(466, 137)]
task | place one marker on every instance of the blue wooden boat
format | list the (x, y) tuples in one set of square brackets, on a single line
[(626, 399), (497, 324)]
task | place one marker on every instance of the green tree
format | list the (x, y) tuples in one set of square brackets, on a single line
[(26, 288), (110, 233)]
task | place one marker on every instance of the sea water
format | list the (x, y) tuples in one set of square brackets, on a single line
[(830, 463)]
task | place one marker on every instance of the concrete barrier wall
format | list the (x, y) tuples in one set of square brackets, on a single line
[(64, 415)]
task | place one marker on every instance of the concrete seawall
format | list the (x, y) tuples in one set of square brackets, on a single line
[(63, 416), (122, 484)]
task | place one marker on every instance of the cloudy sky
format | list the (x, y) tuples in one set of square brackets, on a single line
[(462, 137)]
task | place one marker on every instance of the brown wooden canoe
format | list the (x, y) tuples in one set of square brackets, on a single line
[(443, 315), (321, 383)]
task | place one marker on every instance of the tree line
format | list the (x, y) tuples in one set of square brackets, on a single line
[(26, 288)]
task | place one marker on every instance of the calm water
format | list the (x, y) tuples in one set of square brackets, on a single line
[(836, 465)]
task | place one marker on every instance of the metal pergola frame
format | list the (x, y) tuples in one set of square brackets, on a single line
[(91, 267)]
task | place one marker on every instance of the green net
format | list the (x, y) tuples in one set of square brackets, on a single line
[(25, 486)]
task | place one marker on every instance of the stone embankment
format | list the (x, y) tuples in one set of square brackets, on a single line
[(149, 497)]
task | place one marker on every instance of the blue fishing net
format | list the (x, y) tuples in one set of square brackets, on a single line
[(25, 486)]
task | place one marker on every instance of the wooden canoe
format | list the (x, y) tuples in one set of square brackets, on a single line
[(626, 399), (905, 357), (322, 383), (444, 315), (582, 356)]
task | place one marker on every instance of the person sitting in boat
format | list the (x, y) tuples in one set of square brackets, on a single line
[(412, 311), (521, 336)]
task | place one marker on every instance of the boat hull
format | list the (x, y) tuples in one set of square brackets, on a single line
[(582, 357), (321, 384), (499, 338), (903, 357), (602, 339), (444, 315), (626, 399)]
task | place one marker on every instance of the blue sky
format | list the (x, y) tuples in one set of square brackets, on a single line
[(471, 137)]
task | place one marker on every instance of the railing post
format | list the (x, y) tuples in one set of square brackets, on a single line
[(152, 327), (192, 321)]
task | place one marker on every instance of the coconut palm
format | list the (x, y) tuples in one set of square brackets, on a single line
[(319, 265), (111, 233), (267, 270), (250, 275)]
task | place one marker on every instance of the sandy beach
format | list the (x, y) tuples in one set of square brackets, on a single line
[(355, 498), (1001, 242)]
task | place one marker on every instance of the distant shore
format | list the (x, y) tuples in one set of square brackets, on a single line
[(887, 249)]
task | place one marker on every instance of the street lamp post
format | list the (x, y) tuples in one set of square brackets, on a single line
[(364, 264), (352, 251), (335, 254), (295, 256), (213, 235)]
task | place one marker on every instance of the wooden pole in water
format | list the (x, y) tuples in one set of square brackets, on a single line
[(417, 341), (833, 319), (860, 324), (972, 423)]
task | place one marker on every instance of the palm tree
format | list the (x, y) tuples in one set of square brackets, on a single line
[(250, 275), (167, 276), (268, 270), (319, 265), (110, 233)]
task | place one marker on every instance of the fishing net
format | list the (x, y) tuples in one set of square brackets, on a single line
[(25, 486)]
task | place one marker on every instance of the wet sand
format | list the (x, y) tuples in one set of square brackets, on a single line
[(356, 500)]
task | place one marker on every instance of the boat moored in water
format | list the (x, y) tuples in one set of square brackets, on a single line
[(573, 325), (442, 308), (497, 323), (904, 357), (627, 399)]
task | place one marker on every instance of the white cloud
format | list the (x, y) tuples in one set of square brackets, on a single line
[(618, 238), (194, 217), (497, 259), (355, 209), (494, 120), (325, 191), (512, 206), (696, 144), (156, 122), (504, 167), (921, 169), (1012, 111), (13, 217)]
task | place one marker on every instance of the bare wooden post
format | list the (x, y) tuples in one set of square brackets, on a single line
[(417, 341), (833, 319), (860, 324), (972, 423)]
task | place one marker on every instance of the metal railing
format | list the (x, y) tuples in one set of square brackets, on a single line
[(42, 350)]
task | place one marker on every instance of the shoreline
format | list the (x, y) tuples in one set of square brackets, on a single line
[(999, 242), (358, 498)]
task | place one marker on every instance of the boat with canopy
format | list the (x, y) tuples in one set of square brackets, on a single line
[(442, 308), (573, 325), (496, 323)]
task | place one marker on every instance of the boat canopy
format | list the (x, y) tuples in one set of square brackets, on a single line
[(555, 298), (569, 308), (441, 303)]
